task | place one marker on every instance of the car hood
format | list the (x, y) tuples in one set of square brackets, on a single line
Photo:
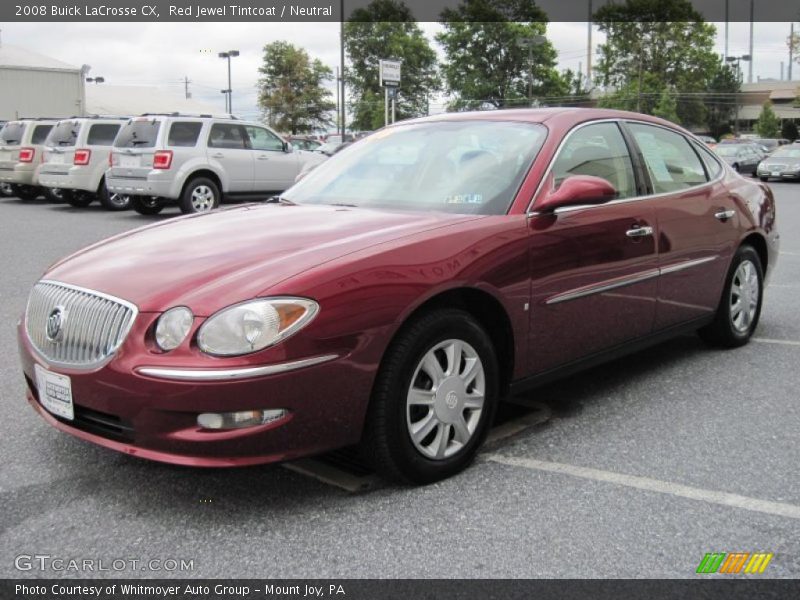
[(213, 260), (777, 160)]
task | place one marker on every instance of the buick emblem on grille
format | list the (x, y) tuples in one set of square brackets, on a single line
[(54, 328)]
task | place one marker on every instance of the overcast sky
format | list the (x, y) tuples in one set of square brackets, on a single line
[(163, 53)]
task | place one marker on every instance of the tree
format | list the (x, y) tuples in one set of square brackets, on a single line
[(486, 62), (667, 107), (292, 93), (768, 125), (789, 131), (653, 44), (386, 29), (720, 101)]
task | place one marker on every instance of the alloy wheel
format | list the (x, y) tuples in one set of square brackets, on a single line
[(202, 198), (445, 400), (744, 296)]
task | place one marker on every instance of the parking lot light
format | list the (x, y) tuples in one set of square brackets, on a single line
[(229, 55)]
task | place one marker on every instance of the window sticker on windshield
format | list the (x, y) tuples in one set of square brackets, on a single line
[(464, 199), (652, 156)]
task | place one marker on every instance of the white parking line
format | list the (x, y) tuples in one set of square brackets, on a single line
[(779, 509), (773, 341)]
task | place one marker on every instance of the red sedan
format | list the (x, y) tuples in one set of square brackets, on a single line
[(399, 291)]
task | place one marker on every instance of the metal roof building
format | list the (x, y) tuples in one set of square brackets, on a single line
[(33, 85)]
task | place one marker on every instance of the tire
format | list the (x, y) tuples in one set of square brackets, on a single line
[(77, 198), (112, 200), (402, 399), (26, 192), (201, 194), (729, 328), (736, 168), (54, 194), (5, 190), (764, 179), (145, 205)]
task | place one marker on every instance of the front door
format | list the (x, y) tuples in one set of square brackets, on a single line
[(276, 169), (594, 269), (229, 149)]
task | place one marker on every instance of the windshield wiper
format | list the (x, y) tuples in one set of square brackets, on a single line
[(135, 142), (343, 204)]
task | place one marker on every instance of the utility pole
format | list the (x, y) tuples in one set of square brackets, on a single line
[(338, 90), (727, 27), (342, 124), (530, 42), (186, 82), (750, 66), (589, 48), (791, 49)]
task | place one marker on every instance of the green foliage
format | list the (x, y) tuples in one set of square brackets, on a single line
[(768, 124), (485, 62), (667, 107), (386, 29), (656, 44), (291, 89), (720, 101), (789, 130)]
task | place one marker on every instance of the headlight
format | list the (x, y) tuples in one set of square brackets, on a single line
[(172, 327), (255, 325)]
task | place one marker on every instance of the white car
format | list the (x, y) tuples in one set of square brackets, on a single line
[(76, 158), (21, 146)]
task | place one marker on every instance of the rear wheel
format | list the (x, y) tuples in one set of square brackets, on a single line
[(200, 195), (740, 307), (146, 205), (77, 198), (434, 398), (113, 200), (26, 192), (5, 190)]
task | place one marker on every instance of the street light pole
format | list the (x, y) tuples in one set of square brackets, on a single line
[(737, 60), (530, 42), (228, 55)]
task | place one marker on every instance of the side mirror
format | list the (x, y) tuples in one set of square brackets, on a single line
[(577, 190), (287, 147)]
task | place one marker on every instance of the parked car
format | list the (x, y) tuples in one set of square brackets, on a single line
[(784, 163), (742, 157), (21, 146), (398, 292), (75, 160), (304, 143), (707, 140), (196, 160), (771, 144)]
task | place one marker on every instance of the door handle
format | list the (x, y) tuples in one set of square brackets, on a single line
[(262, 157), (639, 231), (218, 155), (724, 215)]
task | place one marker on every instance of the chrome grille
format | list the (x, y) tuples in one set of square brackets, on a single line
[(776, 167), (94, 325)]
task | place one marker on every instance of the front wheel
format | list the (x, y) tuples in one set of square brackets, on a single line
[(740, 306), (146, 205), (434, 398), (200, 195), (764, 179)]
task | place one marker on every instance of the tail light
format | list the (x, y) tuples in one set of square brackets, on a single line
[(26, 155), (110, 159), (82, 157), (162, 159)]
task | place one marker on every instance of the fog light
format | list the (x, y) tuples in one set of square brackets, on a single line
[(241, 419)]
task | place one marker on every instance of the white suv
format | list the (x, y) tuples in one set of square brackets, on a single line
[(198, 160), (21, 145), (76, 158)]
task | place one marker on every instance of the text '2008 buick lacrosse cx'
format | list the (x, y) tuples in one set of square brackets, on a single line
[(399, 291)]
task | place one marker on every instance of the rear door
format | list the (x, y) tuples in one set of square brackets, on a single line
[(593, 268), (229, 149), (276, 169), (696, 217)]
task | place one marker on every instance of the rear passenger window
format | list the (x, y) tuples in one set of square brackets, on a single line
[(40, 134), (713, 168), (223, 135), (184, 133), (102, 134), (671, 162), (597, 150)]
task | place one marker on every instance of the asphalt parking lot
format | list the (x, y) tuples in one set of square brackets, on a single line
[(635, 469)]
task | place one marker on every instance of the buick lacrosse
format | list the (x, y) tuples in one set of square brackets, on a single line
[(399, 291)]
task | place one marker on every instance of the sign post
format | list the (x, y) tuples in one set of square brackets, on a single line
[(390, 81)]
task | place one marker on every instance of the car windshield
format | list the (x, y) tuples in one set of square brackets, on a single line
[(459, 166), (729, 149), (65, 133), (787, 153), (138, 133), (12, 133)]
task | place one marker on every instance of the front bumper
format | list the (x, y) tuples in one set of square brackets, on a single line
[(788, 174), (119, 407), (18, 173)]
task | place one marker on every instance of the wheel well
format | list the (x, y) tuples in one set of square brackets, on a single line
[(489, 312), (202, 173), (760, 246)]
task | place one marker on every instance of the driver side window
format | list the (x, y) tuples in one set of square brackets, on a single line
[(261, 139), (598, 150)]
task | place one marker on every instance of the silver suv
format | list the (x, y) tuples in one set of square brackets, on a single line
[(76, 158), (21, 145), (198, 160)]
